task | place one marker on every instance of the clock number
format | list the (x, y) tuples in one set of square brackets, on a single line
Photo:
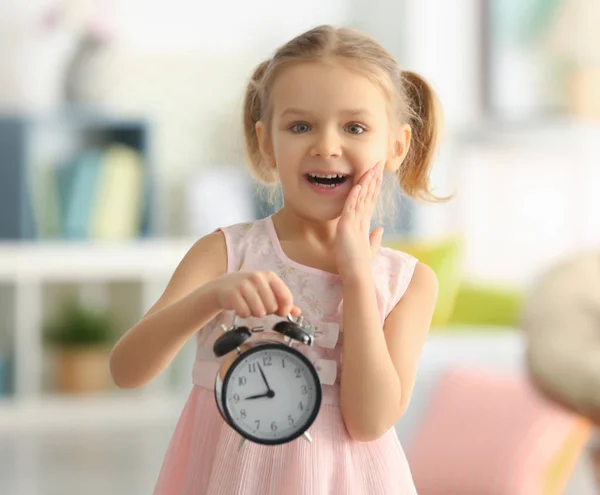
[(236, 398), (273, 426), (242, 381), (304, 389), (257, 421), (298, 372), (301, 406), (283, 362), (266, 360), (252, 367), (243, 414), (291, 420)]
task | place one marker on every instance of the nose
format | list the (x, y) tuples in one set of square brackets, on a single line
[(327, 144)]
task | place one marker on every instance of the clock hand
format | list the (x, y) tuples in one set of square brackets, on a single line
[(262, 373), (270, 394)]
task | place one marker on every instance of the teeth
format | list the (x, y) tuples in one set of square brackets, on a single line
[(334, 176)]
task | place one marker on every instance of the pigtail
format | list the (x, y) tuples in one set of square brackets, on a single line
[(253, 108), (425, 119)]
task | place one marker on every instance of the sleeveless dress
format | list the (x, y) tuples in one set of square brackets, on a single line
[(203, 456)]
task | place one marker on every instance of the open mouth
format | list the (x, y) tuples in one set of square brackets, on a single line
[(330, 180)]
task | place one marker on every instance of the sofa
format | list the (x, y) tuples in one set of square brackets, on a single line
[(501, 355), (475, 355)]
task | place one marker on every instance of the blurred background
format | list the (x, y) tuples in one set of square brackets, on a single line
[(121, 144)]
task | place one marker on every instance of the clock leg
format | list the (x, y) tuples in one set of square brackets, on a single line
[(242, 443), (307, 436)]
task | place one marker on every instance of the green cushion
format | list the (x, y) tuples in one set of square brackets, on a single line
[(444, 258), (487, 305)]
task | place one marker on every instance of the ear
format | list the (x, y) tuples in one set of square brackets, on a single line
[(400, 146), (264, 144)]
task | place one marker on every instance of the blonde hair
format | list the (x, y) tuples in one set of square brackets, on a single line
[(415, 101)]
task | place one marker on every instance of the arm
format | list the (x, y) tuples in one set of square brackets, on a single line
[(379, 365), (187, 304)]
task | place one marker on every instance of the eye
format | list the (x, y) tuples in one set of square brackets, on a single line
[(300, 127), (355, 128)]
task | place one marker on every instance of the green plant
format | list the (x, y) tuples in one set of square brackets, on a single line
[(78, 325)]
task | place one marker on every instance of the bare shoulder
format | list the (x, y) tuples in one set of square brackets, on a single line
[(424, 279), (209, 245), (207, 257), (422, 290), (205, 261)]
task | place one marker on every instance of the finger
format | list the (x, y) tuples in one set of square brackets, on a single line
[(364, 179), (252, 298), (239, 306), (283, 295), (365, 190), (371, 195), (352, 199), (375, 188), (379, 181), (267, 296)]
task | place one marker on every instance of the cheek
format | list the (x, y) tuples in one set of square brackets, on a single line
[(366, 155), (287, 158), (284, 146)]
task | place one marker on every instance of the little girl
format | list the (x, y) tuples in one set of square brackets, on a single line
[(329, 118)]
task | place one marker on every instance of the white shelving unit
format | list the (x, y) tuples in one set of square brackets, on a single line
[(25, 270)]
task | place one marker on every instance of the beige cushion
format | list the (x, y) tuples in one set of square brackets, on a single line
[(562, 325)]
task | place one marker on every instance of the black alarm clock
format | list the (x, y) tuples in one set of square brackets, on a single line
[(267, 391)]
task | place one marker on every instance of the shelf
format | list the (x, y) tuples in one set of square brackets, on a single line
[(550, 130), (72, 261), (60, 412), (57, 169), (29, 271), (496, 347), (480, 347)]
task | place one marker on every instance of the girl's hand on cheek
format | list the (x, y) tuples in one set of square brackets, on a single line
[(355, 244)]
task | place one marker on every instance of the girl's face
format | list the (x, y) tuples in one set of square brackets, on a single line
[(329, 125)]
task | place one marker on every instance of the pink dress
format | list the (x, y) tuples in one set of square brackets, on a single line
[(203, 456)]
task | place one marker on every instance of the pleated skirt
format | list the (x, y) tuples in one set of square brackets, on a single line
[(203, 458)]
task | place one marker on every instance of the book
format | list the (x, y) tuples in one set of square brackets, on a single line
[(118, 202)]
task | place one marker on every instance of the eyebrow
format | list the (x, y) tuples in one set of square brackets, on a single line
[(352, 112)]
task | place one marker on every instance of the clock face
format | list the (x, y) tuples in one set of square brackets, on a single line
[(271, 394)]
